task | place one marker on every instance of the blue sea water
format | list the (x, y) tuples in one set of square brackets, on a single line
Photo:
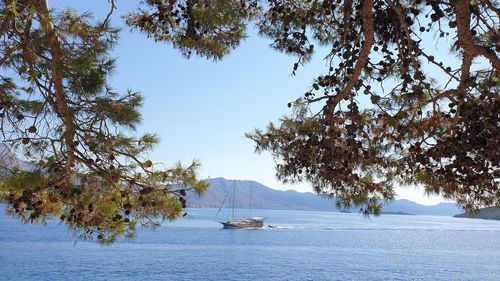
[(303, 246)]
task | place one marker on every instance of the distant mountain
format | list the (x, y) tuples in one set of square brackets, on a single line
[(264, 197), (410, 207), (492, 213), (8, 161), (396, 213)]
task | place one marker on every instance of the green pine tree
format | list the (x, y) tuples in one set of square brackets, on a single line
[(57, 110)]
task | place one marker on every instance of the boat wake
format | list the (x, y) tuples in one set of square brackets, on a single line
[(273, 226)]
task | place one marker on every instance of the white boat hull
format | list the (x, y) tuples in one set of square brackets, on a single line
[(244, 223)]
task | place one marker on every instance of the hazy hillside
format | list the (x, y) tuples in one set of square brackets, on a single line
[(8, 160), (264, 197), (486, 213), (407, 206)]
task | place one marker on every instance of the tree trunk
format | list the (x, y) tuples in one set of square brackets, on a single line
[(42, 8)]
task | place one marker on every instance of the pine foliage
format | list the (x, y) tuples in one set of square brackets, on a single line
[(58, 111)]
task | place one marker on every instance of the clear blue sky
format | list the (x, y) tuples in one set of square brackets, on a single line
[(201, 109)]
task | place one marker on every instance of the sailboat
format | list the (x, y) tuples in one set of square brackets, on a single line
[(249, 222)]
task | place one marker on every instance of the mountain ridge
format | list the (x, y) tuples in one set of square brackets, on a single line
[(491, 213), (9, 161), (264, 197)]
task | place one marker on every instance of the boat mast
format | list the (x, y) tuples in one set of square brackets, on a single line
[(250, 208), (234, 188)]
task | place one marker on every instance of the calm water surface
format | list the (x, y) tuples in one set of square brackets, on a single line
[(304, 246)]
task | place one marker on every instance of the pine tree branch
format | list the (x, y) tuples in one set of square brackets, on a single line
[(111, 10), (57, 78), (368, 28), (491, 6), (404, 25), (466, 39), (8, 55)]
